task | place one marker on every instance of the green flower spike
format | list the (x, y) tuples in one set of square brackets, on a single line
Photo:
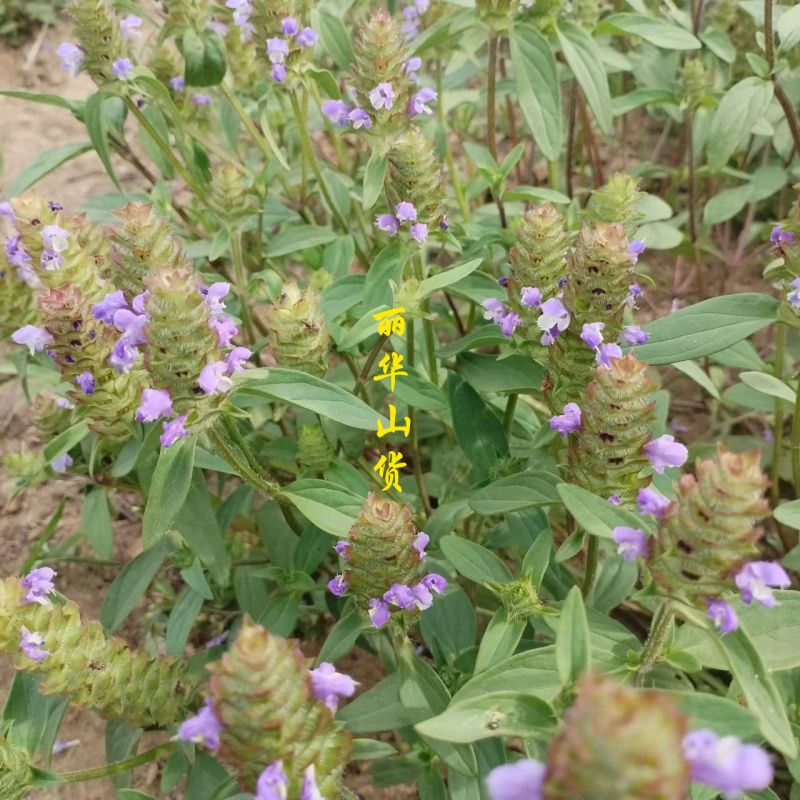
[(98, 33), (301, 337)]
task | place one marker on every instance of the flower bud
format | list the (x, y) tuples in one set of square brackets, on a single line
[(98, 33), (50, 418), (696, 82), (23, 465), (617, 742), (314, 451), (519, 598), (415, 176), (301, 337), (262, 695), (15, 776), (616, 202), (229, 193), (708, 532)]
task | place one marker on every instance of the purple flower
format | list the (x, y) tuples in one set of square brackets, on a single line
[(360, 119), (591, 333), (569, 421), (213, 379), (633, 292), (177, 84), (277, 50), (288, 26), (665, 452), (309, 790), (726, 763), (387, 223), (201, 99), (755, 579), (340, 548), (338, 585), (724, 616), (62, 463), (174, 430), (501, 281), (411, 26), (633, 335), (86, 381), (236, 358), (278, 73), (39, 583), (336, 111), (218, 27), (615, 500), (636, 248), (123, 356), (495, 310), (213, 297), (329, 685), (205, 728), (554, 315), (307, 38), (217, 640), (632, 542), (531, 297), (137, 304), (60, 747), (132, 325), (130, 27), (606, 352), (423, 598), (382, 96), (155, 403), (436, 583), (272, 783), (32, 644), (405, 211), (782, 237), (225, 329), (122, 68), (108, 306), (651, 502), (72, 57), (401, 596), (422, 5), (62, 402), (7, 211), (378, 612), (794, 297), (36, 338), (419, 232), (418, 101), (413, 64), (510, 323), (520, 780), (55, 238), (421, 541), (51, 260)]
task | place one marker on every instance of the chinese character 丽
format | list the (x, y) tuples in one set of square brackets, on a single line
[(391, 322)]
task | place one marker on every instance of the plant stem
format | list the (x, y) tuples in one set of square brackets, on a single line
[(323, 188), (655, 641), (769, 52), (698, 267), (241, 288), (777, 449), (589, 576), (795, 445), (247, 122), (491, 117), (118, 766), (573, 108), (508, 417), (427, 326), (416, 463), (361, 383), (242, 468), (458, 190)]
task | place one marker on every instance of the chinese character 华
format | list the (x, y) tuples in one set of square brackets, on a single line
[(391, 366)]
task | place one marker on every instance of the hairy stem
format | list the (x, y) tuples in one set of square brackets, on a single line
[(241, 288), (118, 766), (692, 189), (651, 652), (416, 462), (491, 117), (777, 449), (243, 469), (590, 575)]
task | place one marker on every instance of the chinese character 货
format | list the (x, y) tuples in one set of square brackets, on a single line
[(389, 471), (391, 322), (391, 366), (393, 427)]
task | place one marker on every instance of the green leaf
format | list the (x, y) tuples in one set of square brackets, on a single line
[(342, 638), (595, 515), (496, 714), (377, 709), (500, 640), (374, 176), (652, 29), (768, 384), (692, 370), (585, 62), (573, 649), (169, 489), (528, 489), (129, 586), (152, 113), (449, 626), (65, 441), (483, 336), (474, 561), (742, 106), (204, 57), (133, 794), (492, 374), (537, 559), (334, 38), (96, 522), (478, 430), (330, 507), (742, 355), (535, 194), (706, 327), (789, 514), (419, 392), (342, 295), (723, 716), (725, 204), (615, 580), (448, 276), (387, 266), (309, 392), (264, 116), (368, 749), (641, 97), (97, 128), (538, 87), (45, 163), (719, 44), (26, 712), (298, 238), (73, 106), (325, 81), (196, 579), (181, 621)]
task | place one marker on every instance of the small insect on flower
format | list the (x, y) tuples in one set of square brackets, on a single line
[(122, 68), (569, 421), (755, 579), (329, 685), (32, 645), (665, 452), (520, 780), (724, 615), (39, 583), (35, 338), (204, 728), (632, 542), (155, 403)]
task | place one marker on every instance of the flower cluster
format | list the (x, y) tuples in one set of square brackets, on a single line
[(403, 212), (553, 319), (413, 15)]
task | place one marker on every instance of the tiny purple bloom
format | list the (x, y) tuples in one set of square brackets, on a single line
[(62, 402), (177, 84), (338, 585), (86, 381), (155, 403), (60, 747), (636, 248), (336, 111), (532, 297), (378, 612), (495, 310), (419, 100), (413, 64), (174, 430), (665, 452), (277, 50), (123, 356), (419, 232), (214, 295), (723, 614), (62, 463), (8, 212), (309, 790), (39, 583), (215, 641), (32, 644), (201, 99), (225, 329), (400, 596), (236, 358), (405, 212), (569, 421), (410, 27), (794, 297), (633, 292), (72, 57), (51, 260), (204, 728), (606, 352), (213, 379), (382, 96), (554, 315), (615, 500), (780, 237), (422, 5), (272, 783), (591, 333), (122, 68), (502, 281), (288, 26), (36, 338), (130, 27), (218, 27), (421, 541), (341, 548), (137, 304), (632, 542), (360, 119), (423, 598), (444, 226), (755, 579), (436, 583), (329, 685), (651, 502), (108, 306), (388, 223), (633, 335), (132, 326), (520, 780), (510, 323), (307, 38), (278, 73), (55, 238)]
